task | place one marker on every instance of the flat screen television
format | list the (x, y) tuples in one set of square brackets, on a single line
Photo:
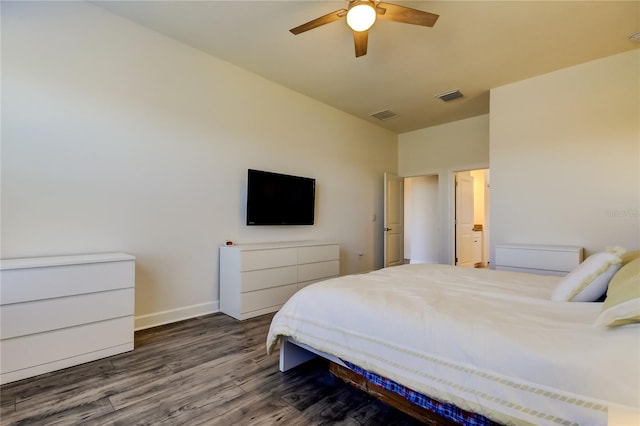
[(278, 199)]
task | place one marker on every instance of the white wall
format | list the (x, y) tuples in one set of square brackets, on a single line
[(421, 221), (565, 156), (116, 138), (442, 150)]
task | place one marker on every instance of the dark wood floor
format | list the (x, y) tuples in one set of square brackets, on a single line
[(211, 370)]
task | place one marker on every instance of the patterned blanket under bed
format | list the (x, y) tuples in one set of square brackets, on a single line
[(443, 409)]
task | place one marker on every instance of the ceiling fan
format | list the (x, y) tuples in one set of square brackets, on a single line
[(362, 14)]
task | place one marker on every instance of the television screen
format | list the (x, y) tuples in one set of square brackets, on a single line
[(277, 199)]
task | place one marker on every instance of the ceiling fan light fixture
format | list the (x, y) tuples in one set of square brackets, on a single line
[(361, 16)]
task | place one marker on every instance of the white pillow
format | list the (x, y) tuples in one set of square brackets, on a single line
[(589, 280), (622, 305)]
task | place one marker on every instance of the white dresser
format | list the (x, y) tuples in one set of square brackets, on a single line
[(256, 279), (60, 311), (538, 259)]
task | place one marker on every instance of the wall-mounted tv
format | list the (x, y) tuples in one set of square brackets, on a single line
[(278, 199)]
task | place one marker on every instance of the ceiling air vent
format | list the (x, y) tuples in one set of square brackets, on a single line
[(384, 115), (450, 95)]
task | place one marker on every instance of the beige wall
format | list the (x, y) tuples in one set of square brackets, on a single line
[(565, 156), (115, 138), (441, 151), (461, 145)]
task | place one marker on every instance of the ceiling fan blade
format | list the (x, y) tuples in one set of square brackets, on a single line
[(326, 19), (360, 39), (407, 15)]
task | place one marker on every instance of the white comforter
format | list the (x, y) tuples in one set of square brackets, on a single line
[(488, 341)]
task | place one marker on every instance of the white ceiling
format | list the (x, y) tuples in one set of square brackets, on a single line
[(474, 46)]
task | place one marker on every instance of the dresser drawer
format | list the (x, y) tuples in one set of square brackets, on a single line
[(267, 278), (263, 259), (43, 348), (313, 254), (28, 284), (272, 297), (315, 271), (45, 315)]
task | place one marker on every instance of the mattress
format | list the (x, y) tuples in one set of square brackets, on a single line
[(490, 342)]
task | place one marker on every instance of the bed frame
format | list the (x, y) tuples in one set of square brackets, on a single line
[(293, 353)]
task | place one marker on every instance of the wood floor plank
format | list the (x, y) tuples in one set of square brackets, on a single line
[(7, 407), (220, 372), (62, 416), (254, 409), (210, 370), (67, 398), (83, 375), (209, 403)]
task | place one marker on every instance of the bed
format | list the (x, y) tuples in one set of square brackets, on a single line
[(489, 342)]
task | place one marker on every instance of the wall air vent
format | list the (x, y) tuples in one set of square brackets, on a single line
[(450, 95), (384, 115)]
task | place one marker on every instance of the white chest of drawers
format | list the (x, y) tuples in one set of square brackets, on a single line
[(538, 259), (60, 311), (256, 279)]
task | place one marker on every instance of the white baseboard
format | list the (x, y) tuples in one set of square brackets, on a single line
[(173, 315)]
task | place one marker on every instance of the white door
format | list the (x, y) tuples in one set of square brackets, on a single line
[(393, 220), (464, 219)]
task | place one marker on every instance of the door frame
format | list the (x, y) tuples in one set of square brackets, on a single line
[(450, 213)]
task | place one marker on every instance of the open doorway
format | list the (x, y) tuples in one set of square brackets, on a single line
[(471, 218), (421, 219)]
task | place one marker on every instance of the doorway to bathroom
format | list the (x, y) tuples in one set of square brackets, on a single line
[(471, 218)]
